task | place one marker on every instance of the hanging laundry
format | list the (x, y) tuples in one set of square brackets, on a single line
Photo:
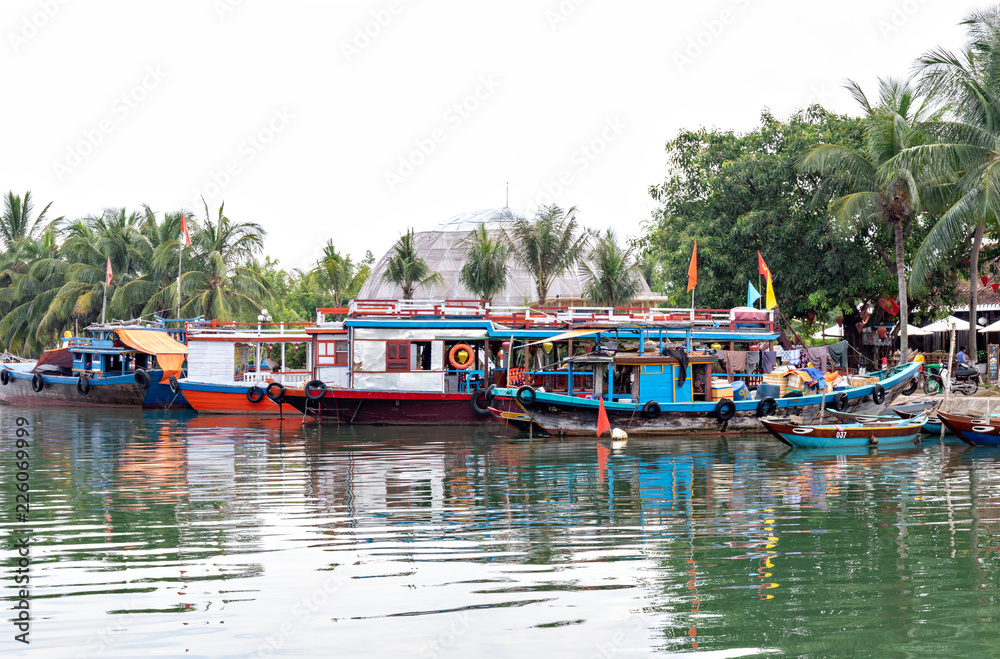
[(736, 361), (767, 360), (753, 361), (838, 353)]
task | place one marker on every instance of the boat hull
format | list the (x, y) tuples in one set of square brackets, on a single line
[(219, 398), (976, 431), (115, 391), (389, 407), (827, 436), (560, 414)]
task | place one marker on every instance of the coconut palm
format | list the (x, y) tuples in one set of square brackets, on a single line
[(407, 269), (548, 246), (16, 223), (882, 191), (611, 277), (486, 263), (333, 273), (964, 146)]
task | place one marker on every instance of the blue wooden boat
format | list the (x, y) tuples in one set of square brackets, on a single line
[(672, 392), (977, 431), (113, 365), (900, 431)]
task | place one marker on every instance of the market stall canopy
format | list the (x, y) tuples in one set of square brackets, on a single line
[(169, 353), (833, 332), (945, 325)]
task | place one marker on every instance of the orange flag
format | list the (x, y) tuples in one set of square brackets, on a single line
[(108, 274), (602, 420), (693, 268)]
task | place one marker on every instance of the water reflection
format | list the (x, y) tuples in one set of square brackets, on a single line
[(223, 536)]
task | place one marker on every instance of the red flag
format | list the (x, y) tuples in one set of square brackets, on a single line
[(185, 236), (693, 268), (762, 268), (891, 307), (108, 278), (602, 420)]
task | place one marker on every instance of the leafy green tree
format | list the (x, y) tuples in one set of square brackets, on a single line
[(17, 223), (486, 265), (610, 275), (548, 246), (964, 148), (407, 269), (333, 273), (879, 189)]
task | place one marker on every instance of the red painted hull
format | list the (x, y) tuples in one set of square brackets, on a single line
[(389, 407), (219, 402)]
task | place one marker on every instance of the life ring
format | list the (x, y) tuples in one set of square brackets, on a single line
[(526, 395), (725, 410), (279, 397), (5, 377), (314, 389), (651, 409), (83, 385), (766, 406), (255, 394), (910, 388), (840, 401), (453, 356), (878, 394), (175, 386), (37, 382), (477, 395), (142, 378)]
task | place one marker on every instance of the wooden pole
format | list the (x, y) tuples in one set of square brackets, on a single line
[(947, 381)]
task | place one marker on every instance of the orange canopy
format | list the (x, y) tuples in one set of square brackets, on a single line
[(169, 353)]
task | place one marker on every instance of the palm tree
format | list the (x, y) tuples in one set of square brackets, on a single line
[(882, 189), (486, 263), (407, 269), (611, 277), (965, 147), (548, 245), (333, 273), (16, 223)]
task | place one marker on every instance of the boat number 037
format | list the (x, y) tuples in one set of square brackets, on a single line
[(841, 434)]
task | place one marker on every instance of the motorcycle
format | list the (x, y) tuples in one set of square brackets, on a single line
[(965, 381)]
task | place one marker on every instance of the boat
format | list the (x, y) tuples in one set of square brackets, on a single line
[(910, 410), (228, 372), (851, 417), (974, 430), (669, 391), (880, 433), (111, 365)]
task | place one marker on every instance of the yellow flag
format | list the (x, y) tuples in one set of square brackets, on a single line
[(770, 302)]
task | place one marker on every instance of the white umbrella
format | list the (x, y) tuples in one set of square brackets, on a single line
[(834, 332), (916, 331), (945, 325), (995, 327)]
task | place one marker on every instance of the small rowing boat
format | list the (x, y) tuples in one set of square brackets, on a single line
[(844, 435)]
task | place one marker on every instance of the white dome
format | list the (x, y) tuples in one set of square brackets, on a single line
[(444, 250)]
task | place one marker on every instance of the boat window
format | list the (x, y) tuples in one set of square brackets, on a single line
[(341, 354), (397, 355), (422, 355)]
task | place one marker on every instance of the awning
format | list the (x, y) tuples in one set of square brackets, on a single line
[(572, 334), (60, 358), (832, 332), (169, 353)]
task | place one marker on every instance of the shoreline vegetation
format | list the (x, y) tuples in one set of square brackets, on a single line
[(868, 220)]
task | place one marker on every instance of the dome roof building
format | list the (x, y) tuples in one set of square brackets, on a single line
[(444, 250)]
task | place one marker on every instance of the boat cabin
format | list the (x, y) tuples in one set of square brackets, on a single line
[(116, 350), (633, 378)]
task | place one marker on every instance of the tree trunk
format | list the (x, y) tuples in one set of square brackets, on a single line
[(977, 243), (901, 277)]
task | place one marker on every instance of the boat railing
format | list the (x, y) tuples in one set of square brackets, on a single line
[(284, 377), (206, 327)]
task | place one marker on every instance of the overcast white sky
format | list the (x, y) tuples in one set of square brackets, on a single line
[(355, 120)]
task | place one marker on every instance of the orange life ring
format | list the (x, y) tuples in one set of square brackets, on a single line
[(453, 356)]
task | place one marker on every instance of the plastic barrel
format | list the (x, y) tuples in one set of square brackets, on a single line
[(764, 390)]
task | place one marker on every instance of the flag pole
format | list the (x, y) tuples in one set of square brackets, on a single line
[(104, 307), (180, 252)]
